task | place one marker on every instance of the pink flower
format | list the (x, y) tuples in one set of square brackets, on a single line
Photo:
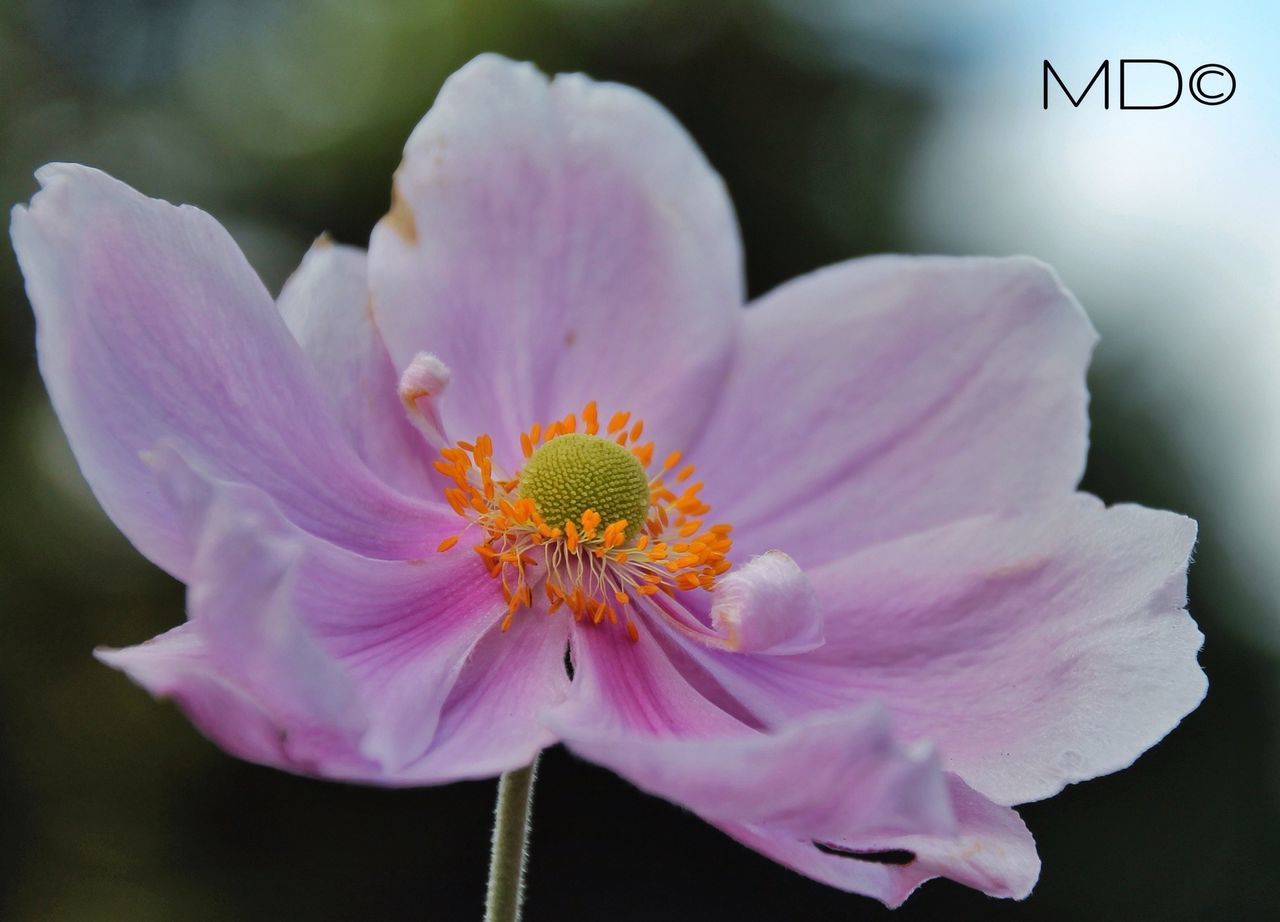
[(923, 624)]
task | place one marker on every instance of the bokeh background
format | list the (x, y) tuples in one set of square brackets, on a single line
[(841, 129)]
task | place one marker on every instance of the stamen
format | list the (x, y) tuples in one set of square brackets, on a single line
[(546, 521), (618, 420)]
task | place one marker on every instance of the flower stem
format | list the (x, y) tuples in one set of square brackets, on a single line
[(510, 844)]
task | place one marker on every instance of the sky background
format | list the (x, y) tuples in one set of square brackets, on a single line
[(841, 129)]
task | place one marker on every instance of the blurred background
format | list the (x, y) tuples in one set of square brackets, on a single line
[(841, 129)]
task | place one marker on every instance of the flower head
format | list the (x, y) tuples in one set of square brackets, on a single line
[(395, 502)]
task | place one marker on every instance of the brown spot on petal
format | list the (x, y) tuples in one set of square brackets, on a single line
[(570, 338), (400, 217)]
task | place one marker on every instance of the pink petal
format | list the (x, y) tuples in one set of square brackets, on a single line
[(244, 579), (634, 687), (176, 665), (834, 777), (422, 385), (318, 637), (883, 396), (761, 612), (491, 721), (991, 851), (151, 326), (554, 242), (767, 606), (1035, 650), (325, 304), (830, 795)]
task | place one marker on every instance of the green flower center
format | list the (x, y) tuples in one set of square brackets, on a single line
[(573, 473)]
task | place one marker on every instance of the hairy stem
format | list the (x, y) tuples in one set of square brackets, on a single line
[(510, 845)]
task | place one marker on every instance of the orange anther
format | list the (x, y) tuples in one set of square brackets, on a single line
[(615, 534), (672, 551), (617, 421)]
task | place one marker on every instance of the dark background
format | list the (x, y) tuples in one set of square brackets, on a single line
[(285, 119)]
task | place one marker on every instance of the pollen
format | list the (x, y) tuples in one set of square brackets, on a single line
[(585, 519)]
